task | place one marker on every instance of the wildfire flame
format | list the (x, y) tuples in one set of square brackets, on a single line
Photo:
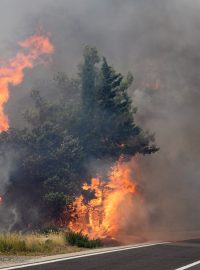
[(12, 71), (100, 216)]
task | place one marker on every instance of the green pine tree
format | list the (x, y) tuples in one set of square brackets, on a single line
[(115, 117), (88, 78)]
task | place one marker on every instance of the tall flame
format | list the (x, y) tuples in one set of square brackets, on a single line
[(12, 71), (100, 216)]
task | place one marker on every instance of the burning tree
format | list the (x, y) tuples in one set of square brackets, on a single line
[(108, 132), (91, 119)]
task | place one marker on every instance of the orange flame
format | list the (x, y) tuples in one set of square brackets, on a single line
[(99, 217), (12, 72)]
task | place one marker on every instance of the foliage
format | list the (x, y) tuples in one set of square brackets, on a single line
[(88, 79), (14, 243), (107, 117), (10, 243), (92, 118), (80, 240), (32, 244)]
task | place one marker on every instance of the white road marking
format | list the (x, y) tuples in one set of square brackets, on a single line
[(188, 266), (82, 256)]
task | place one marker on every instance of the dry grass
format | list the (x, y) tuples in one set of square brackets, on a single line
[(35, 244)]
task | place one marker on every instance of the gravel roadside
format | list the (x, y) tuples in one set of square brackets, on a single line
[(6, 261)]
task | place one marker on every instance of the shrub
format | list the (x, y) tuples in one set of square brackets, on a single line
[(81, 240)]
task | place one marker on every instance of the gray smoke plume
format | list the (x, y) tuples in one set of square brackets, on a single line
[(6, 166), (8, 214), (158, 40)]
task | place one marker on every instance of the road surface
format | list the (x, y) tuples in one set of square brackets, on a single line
[(159, 256)]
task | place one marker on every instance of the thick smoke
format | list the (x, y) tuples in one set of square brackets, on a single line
[(158, 40), (8, 215)]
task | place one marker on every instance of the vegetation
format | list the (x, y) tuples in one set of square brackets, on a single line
[(35, 244), (80, 240), (45, 243), (92, 118)]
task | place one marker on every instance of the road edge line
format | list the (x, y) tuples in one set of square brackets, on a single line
[(81, 256), (188, 265)]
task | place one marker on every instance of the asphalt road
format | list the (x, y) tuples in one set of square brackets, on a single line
[(168, 256)]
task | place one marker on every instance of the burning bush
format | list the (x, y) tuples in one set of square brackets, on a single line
[(100, 216)]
